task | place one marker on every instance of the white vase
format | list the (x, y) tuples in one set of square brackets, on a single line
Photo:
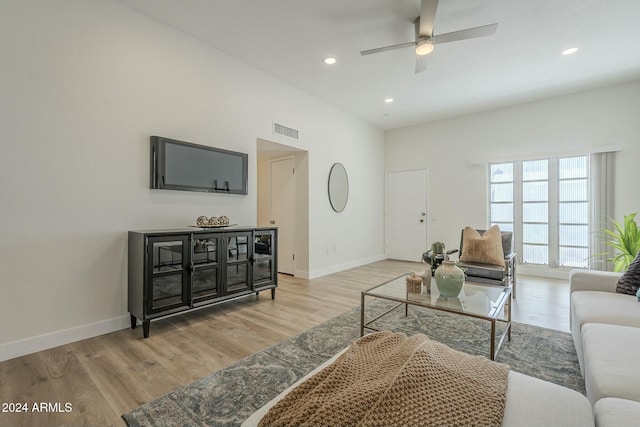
[(426, 278)]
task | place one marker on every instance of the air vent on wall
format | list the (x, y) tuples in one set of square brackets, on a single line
[(279, 129)]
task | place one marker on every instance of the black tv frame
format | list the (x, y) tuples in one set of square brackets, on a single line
[(158, 166)]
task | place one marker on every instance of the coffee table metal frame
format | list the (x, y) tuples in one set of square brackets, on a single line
[(502, 304)]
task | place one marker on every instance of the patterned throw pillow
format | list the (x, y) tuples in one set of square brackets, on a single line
[(630, 280)]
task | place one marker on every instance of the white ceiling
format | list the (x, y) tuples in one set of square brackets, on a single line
[(289, 38)]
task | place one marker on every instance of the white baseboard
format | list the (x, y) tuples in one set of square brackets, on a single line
[(25, 346), (341, 267), (303, 274), (541, 271)]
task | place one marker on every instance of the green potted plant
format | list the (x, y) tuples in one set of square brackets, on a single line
[(625, 238)]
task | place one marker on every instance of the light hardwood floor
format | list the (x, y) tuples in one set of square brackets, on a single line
[(106, 376)]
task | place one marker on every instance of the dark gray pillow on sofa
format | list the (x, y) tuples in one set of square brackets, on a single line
[(630, 280)]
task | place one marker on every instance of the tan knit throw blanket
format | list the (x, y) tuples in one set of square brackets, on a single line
[(389, 379)]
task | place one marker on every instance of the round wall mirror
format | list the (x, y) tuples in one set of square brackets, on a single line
[(338, 187)]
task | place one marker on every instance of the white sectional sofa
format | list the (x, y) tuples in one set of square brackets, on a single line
[(606, 331)]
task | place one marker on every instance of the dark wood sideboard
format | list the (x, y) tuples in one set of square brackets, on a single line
[(173, 271)]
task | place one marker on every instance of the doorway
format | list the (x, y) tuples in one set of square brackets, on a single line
[(283, 200), (282, 212), (406, 214)]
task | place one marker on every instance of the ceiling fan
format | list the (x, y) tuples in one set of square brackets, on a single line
[(426, 40)]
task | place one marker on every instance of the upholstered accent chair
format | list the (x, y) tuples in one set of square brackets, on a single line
[(492, 273)]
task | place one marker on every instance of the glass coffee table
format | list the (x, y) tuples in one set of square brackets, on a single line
[(477, 300)]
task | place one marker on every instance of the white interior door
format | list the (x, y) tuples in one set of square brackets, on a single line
[(282, 210), (407, 214)]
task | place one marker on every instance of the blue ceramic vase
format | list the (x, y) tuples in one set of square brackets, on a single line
[(449, 279)]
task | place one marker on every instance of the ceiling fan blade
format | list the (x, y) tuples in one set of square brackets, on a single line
[(427, 17), (386, 48), (421, 63), (469, 33)]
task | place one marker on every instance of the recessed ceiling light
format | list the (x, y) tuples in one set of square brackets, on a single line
[(570, 51), (330, 60), (388, 100)]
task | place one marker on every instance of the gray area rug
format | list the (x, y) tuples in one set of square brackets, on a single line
[(227, 397)]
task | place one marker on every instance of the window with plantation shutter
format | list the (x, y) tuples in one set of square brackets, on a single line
[(546, 202)]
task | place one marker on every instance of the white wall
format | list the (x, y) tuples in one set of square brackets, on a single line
[(84, 84), (450, 150), (331, 234)]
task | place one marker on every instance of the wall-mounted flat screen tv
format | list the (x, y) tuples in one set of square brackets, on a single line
[(179, 165)]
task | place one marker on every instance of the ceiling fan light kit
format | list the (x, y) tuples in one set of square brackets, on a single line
[(424, 47)]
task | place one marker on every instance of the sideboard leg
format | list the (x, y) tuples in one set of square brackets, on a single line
[(145, 328), (134, 321), (273, 293)]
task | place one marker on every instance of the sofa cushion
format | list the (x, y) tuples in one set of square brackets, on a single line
[(612, 412), (605, 307), (601, 307), (485, 248), (611, 355), (630, 280), (474, 269), (534, 402)]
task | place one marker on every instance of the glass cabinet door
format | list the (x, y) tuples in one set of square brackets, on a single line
[(205, 284), (168, 273), (237, 259), (264, 268)]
